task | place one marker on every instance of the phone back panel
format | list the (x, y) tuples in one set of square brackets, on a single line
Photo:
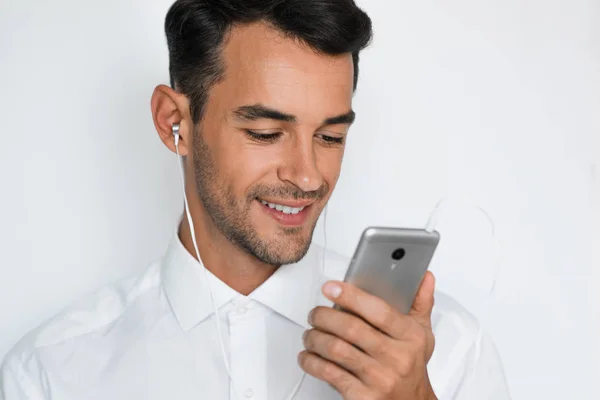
[(375, 270)]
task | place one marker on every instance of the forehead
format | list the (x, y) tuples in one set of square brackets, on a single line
[(263, 66)]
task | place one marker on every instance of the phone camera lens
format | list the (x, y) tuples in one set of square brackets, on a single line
[(398, 254)]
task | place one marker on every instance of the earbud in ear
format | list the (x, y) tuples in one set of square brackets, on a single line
[(175, 130)]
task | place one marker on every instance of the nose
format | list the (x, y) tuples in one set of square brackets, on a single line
[(300, 167)]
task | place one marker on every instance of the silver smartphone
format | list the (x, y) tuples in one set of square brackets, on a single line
[(390, 263)]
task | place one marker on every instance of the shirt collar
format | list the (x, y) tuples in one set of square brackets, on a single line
[(292, 291), (186, 286)]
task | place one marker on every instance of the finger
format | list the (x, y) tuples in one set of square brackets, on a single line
[(351, 329), (343, 381), (424, 300), (342, 353), (371, 308)]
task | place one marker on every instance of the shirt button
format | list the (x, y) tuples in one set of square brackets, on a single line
[(242, 310), (248, 393)]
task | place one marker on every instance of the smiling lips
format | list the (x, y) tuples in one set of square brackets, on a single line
[(293, 213)]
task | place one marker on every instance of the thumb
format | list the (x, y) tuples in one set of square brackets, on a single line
[(423, 304)]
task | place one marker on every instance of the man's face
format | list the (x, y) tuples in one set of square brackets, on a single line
[(268, 152)]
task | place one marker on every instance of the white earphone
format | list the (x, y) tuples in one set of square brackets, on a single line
[(175, 131), (176, 137)]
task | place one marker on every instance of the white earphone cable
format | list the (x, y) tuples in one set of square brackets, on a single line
[(433, 218), (193, 234), (216, 311)]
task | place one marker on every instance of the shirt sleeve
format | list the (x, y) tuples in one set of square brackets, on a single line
[(17, 384), (484, 377)]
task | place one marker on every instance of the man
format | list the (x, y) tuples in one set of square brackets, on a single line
[(259, 110)]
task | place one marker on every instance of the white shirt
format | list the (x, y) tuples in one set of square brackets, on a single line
[(154, 337)]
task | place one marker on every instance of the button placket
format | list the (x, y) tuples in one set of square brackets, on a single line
[(242, 310), (248, 348)]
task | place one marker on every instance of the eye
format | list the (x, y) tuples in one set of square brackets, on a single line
[(263, 137), (331, 140)]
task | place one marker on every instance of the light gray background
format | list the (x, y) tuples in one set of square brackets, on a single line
[(495, 102)]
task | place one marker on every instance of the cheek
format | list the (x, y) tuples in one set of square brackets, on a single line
[(239, 165), (330, 163), (251, 164)]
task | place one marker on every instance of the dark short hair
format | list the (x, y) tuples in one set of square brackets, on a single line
[(195, 31)]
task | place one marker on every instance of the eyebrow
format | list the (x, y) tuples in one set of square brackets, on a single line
[(258, 111), (347, 118)]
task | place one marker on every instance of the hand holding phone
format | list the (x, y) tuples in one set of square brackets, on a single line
[(380, 345), (390, 263)]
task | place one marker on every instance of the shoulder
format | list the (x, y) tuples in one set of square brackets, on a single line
[(465, 361), (83, 318), (451, 317)]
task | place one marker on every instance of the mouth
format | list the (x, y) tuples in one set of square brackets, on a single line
[(283, 208), (289, 213)]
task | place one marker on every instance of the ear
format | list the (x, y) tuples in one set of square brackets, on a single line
[(170, 107)]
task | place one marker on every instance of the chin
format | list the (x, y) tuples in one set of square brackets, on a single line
[(280, 242), (290, 245), (285, 245), (290, 257)]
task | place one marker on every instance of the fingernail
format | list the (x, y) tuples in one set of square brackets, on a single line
[(300, 357), (332, 290), (304, 335)]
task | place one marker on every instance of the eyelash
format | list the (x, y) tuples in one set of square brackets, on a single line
[(271, 137), (263, 137)]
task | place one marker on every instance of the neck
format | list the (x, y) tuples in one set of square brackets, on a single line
[(236, 268)]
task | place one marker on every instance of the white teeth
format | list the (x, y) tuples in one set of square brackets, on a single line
[(282, 208)]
